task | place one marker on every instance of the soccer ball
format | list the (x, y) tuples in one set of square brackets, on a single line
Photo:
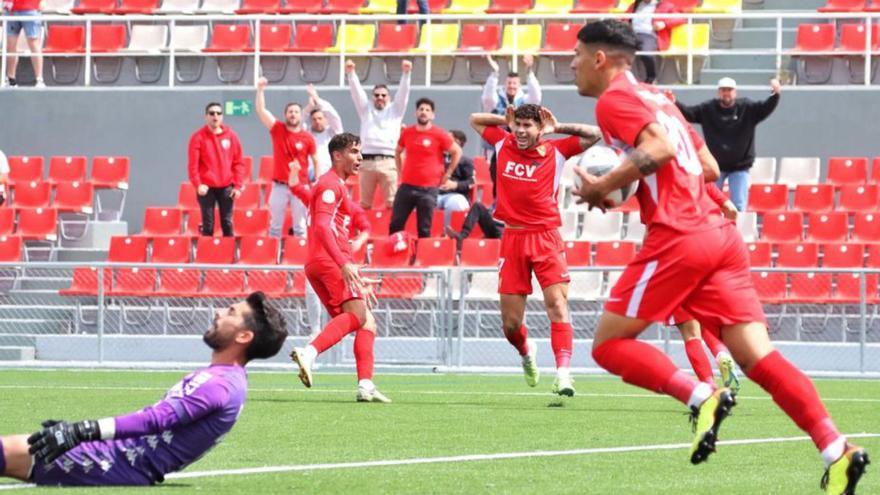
[(598, 160)]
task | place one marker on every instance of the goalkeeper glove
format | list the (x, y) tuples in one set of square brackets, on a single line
[(57, 437)]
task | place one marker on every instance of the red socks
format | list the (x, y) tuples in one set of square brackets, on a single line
[(363, 353), (518, 340), (713, 343), (561, 336), (699, 362), (643, 365), (339, 327), (795, 394)]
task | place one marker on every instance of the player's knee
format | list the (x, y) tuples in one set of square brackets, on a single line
[(557, 309), (370, 323), (689, 330), (511, 324)]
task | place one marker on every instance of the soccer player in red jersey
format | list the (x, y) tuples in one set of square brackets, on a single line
[(333, 274), (692, 257), (527, 177)]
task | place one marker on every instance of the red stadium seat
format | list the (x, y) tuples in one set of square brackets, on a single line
[(873, 256), (814, 38), (256, 250), (828, 227), (216, 250), (267, 170), (304, 7), (614, 253), (853, 38), (560, 37), (223, 283), (66, 39), (849, 288), (85, 282), (396, 37), (812, 198), (110, 172), (249, 199), (296, 251), (783, 227), (273, 38), (380, 221), (509, 6), (480, 252), (847, 170), (171, 250), (251, 222), (25, 169), (864, 197), (10, 248), (435, 251), (793, 255), (760, 253), (873, 6), (67, 168), (770, 286), (159, 221), (875, 170), (843, 255), (768, 197), (108, 38), (7, 221), (577, 253), (74, 197), (231, 38), (384, 254), (866, 228), (187, 197), (178, 282), (342, 7), (137, 7), (685, 5), (95, 7), (297, 285), (311, 38), (193, 226), (134, 282), (400, 286), (843, 6), (810, 288), (260, 7), (593, 6), (273, 283), (32, 195), (480, 38), (127, 249)]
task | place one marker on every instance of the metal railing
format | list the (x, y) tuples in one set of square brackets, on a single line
[(690, 55)]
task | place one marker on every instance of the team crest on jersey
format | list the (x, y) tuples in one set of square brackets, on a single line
[(225, 143), (328, 197), (542, 150), (426, 142), (299, 145)]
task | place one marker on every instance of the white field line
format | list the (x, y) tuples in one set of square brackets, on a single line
[(413, 392), (464, 458)]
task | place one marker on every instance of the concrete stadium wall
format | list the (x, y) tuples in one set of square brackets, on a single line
[(153, 127)]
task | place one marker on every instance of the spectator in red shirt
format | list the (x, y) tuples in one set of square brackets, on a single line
[(216, 169), (33, 30), (420, 157)]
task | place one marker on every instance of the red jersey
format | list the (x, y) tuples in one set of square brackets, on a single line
[(288, 146), (675, 196), (330, 214), (425, 161), (527, 180)]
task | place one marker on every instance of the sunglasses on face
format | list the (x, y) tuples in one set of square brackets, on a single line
[(380, 96), (212, 113)]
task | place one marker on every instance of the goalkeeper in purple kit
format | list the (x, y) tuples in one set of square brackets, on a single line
[(142, 447)]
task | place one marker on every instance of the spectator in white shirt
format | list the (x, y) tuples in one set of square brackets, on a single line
[(380, 131), (324, 123), (4, 176), (496, 100)]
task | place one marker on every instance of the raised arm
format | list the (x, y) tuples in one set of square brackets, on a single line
[(334, 121), (588, 134), (401, 97), (357, 92), (265, 115), (534, 95), (763, 109), (490, 89), (480, 121)]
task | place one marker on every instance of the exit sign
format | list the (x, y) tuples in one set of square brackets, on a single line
[(238, 107)]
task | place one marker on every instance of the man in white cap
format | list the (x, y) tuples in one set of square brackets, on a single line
[(729, 129)]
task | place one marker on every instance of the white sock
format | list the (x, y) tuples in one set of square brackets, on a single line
[(563, 372), (367, 384), (702, 392), (834, 450), (310, 353)]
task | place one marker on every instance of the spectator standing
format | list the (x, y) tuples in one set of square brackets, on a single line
[(420, 157), (216, 169), (729, 129), (496, 100), (324, 123), (403, 4), (380, 131), (33, 31), (455, 191), (292, 148), (653, 30), (4, 177)]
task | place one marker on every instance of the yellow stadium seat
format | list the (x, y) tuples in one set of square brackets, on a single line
[(622, 6), (720, 6), (527, 36), (679, 43), (443, 38), (467, 7), (359, 38), (380, 7), (551, 7)]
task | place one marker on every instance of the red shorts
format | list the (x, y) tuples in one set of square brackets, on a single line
[(706, 274), (679, 316), (325, 277), (525, 251)]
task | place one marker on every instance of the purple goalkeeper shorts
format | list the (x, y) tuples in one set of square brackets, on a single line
[(95, 464)]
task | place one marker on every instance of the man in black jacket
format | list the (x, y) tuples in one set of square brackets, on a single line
[(454, 193), (729, 129)]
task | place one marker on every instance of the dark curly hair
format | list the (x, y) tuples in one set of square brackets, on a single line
[(268, 325)]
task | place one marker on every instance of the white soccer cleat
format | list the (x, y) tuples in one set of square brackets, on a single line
[(564, 385), (530, 365), (371, 395), (305, 362)]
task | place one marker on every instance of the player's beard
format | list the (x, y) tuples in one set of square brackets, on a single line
[(213, 338)]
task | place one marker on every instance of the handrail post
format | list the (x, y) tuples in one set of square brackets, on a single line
[(171, 59), (778, 46), (100, 323), (428, 58), (514, 60), (690, 52), (869, 25), (257, 48), (342, 55), (88, 63), (461, 306), (863, 319), (4, 48)]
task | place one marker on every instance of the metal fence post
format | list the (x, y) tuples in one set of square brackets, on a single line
[(101, 290), (342, 55), (461, 306), (171, 59), (778, 46), (4, 47), (869, 23), (863, 319), (430, 48), (88, 63), (257, 47)]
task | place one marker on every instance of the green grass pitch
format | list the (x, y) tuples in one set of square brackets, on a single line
[(448, 415)]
